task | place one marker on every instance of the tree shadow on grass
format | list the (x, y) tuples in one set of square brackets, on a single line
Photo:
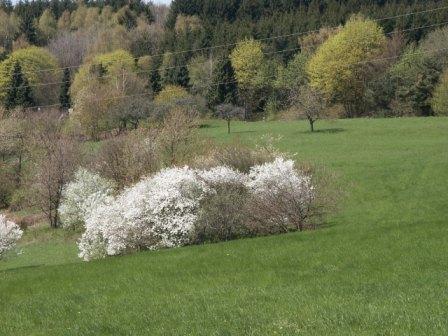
[(13, 269), (326, 131), (242, 132), (208, 126)]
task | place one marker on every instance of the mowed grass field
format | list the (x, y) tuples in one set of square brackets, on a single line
[(379, 267)]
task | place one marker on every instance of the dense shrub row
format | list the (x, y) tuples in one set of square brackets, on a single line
[(181, 206)]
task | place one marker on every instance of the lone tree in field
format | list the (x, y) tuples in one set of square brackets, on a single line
[(310, 104), (19, 92), (251, 73), (230, 112), (339, 67)]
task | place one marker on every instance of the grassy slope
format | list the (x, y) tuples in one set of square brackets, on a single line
[(380, 268)]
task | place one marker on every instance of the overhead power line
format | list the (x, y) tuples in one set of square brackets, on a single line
[(220, 46), (200, 63), (235, 81)]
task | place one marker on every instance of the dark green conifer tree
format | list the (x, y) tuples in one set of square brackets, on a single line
[(19, 91), (224, 88), (64, 97)]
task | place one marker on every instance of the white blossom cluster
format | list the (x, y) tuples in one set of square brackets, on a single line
[(271, 177), (86, 192), (10, 233), (221, 175), (161, 211)]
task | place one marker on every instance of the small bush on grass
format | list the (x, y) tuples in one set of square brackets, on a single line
[(10, 233)]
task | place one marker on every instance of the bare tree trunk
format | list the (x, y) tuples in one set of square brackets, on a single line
[(311, 124)]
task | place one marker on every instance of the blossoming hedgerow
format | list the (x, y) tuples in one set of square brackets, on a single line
[(161, 211)]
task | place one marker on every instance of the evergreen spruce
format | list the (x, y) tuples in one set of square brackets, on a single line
[(154, 76), (226, 91), (19, 91), (64, 97), (28, 28)]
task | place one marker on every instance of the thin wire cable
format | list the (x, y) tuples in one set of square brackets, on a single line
[(148, 71), (235, 81), (200, 63), (260, 39)]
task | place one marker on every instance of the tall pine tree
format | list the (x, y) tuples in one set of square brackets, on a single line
[(19, 91), (64, 97), (224, 86)]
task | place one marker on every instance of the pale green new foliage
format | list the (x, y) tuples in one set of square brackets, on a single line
[(200, 75), (95, 89), (113, 63), (293, 75), (38, 66), (250, 64), (47, 25), (171, 93), (9, 27), (336, 68), (407, 69), (440, 99)]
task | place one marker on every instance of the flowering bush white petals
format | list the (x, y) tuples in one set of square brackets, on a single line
[(282, 194), (279, 174), (159, 211), (221, 175), (86, 192), (162, 211), (10, 233)]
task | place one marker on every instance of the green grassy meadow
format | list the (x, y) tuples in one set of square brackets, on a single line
[(379, 266)]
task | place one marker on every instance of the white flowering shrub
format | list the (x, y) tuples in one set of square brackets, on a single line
[(158, 212), (222, 175), (280, 174), (282, 197), (10, 233), (180, 206), (80, 197)]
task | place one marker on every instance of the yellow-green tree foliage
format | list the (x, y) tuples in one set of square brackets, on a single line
[(337, 68), (112, 63), (200, 75), (41, 70), (440, 99), (99, 86), (249, 63), (187, 23), (9, 28), (84, 17), (110, 39), (171, 93), (107, 16), (47, 25), (64, 22)]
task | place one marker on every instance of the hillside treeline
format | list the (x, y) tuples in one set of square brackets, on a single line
[(122, 87), (189, 45)]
